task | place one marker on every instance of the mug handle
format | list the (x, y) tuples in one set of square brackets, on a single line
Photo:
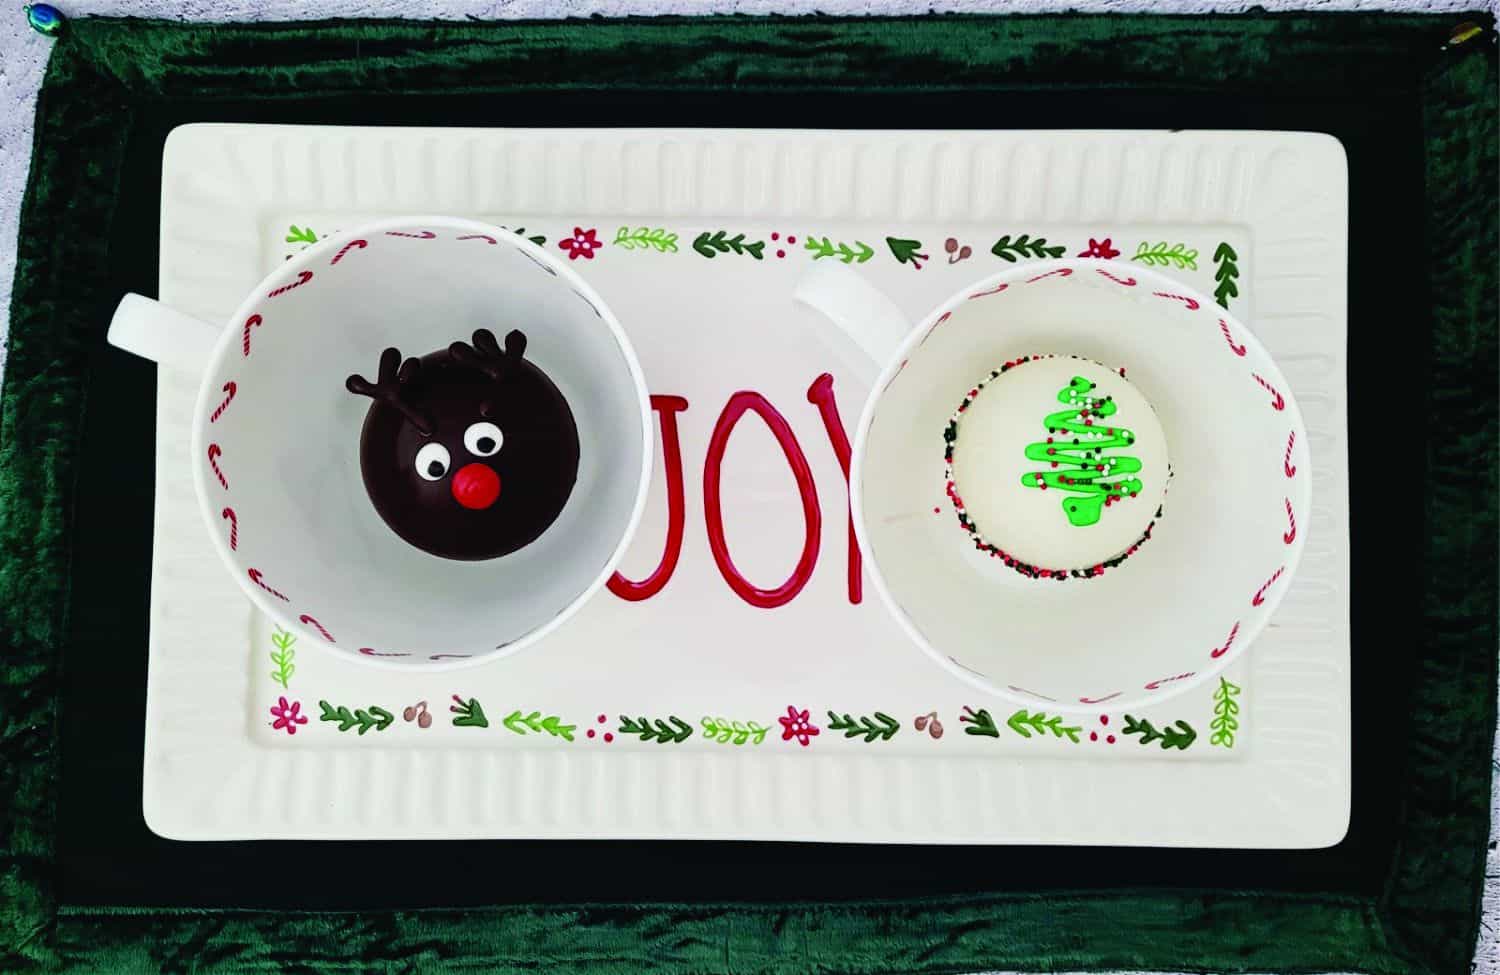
[(169, 338), (859, 309)]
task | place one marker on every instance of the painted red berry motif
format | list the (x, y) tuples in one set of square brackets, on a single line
[(1100, 248), (929, 723), (302, 278), (352, 245), (251, 322), (583, 243), (956, 251), (229, 390), (608, 736)]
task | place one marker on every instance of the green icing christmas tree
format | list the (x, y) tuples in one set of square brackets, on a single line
[(1075, 452)]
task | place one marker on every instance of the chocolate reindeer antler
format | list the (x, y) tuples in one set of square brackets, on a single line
[(485, 354), (393, 375)]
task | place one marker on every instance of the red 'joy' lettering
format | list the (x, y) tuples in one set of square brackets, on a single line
[(820, 394), (737, 406), (666, 408)]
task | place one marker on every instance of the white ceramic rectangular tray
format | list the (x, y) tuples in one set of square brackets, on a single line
[(660, 717)]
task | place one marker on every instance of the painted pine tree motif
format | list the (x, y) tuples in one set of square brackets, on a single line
[(1080, 455)]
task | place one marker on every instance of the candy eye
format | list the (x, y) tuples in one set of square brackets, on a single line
[(483, 439), (432, 461)]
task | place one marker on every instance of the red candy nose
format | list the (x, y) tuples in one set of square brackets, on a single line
[(476, 486)]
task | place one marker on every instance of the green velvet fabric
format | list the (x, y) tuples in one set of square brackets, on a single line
[(104, 71)]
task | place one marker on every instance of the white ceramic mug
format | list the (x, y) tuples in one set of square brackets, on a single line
[(1210, 570), (276, 437)]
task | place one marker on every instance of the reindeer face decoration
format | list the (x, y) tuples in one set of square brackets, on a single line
[(469, 452)]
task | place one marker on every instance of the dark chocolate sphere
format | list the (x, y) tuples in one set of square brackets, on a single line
[(470, 452)]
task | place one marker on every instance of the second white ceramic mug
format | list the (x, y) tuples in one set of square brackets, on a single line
[(1219, 558)]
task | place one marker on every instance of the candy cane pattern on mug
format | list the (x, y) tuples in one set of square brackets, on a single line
[(1286, 464), (310, 621), (484, 237), (214, 453), (1156, 684), (230, 388), (1277, 402), (258, 577), (302, 278), (1238, 350), (360, 243), (251, 322), (1218, 652), (1260, 594), (1192, 304), (234, 527), (423, 235), (1126, 282)]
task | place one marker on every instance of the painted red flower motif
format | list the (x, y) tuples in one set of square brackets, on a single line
[(1099, 248), (583, 243), (287, 716), (796, 724)]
